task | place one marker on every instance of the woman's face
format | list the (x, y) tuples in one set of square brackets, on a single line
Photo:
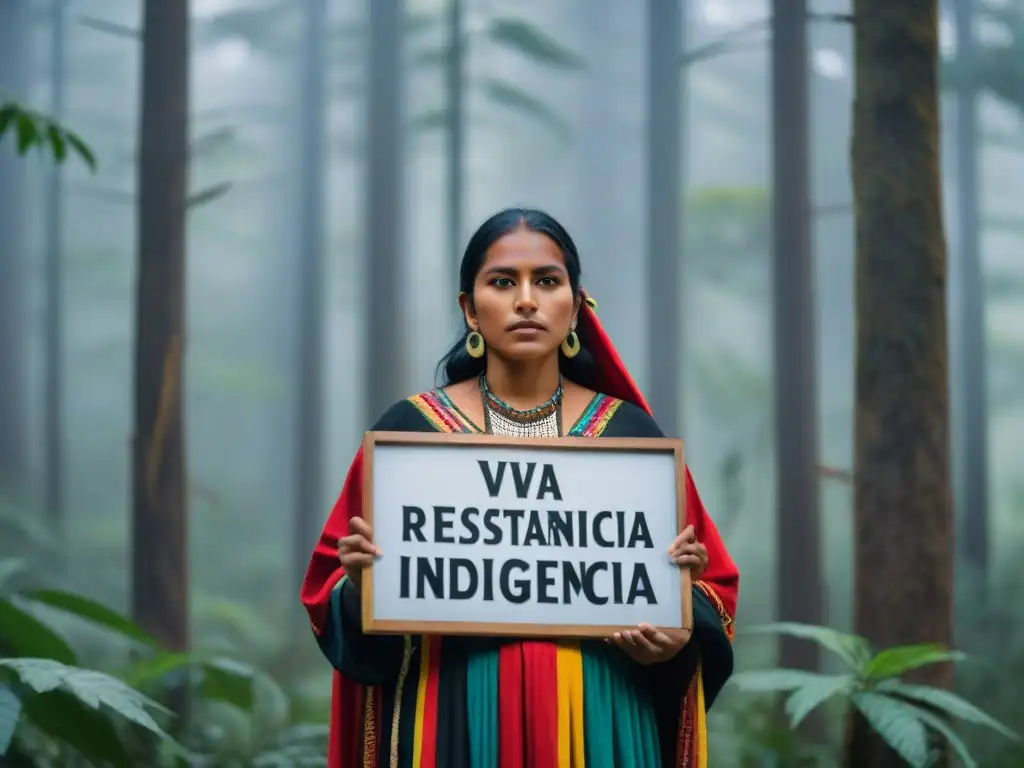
[(523, 304)]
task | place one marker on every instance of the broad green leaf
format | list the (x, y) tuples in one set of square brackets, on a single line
[(948, 702), (142, 675), (814, 693), (109, 27), (62, 716), (9, 568), (207, 195), (219, 679), (8, 111), (92, 611), (938, 724), (898, 725), (533, 43), (775, 680), (91, 688), (81, 149), (893, 662), (58, 144), (522, 101), (10, 711), (34, 130), (22, 634), (28, 133), (228, 681), (852, 649)]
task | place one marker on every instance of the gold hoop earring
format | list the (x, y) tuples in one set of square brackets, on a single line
[(475, 346), (571, 345)]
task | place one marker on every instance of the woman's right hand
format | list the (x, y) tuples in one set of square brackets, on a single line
[(357, 550)]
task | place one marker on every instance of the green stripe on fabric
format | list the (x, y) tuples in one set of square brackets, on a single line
[(619, 716), (482, 707)]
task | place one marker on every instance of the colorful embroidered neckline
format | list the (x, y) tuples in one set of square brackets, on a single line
[(445, 416)]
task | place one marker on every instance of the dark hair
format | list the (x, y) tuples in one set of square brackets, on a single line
[(456, 365)]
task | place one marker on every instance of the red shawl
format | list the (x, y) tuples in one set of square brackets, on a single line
[(720, 582)]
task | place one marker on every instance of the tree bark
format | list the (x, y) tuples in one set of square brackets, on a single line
[(455, 77), (799, 582), (53, 447), (309, 407), (14, 69), (159, 531), (903, 532), (972, 377), (664, 209), (386, 362)]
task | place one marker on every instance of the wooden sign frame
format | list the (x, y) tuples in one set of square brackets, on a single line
[(372, 625)]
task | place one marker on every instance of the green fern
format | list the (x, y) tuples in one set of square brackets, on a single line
[(901, 713), (34, 130)]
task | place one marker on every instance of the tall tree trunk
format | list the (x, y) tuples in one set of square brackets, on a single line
[(456, 138), (159, 502), (14, 74), (903, 532), (664, 208), (799, 580), (971, 449), (310, 302), (386, 348), (53, 449)]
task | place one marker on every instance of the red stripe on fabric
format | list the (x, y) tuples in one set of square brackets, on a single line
[(510, 706), (428, 755), (540, 697), (444, 413), (599, 414)]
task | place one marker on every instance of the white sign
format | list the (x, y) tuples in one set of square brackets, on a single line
[(492, 535)]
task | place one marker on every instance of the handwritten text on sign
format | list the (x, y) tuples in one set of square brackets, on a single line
[(499, 534)]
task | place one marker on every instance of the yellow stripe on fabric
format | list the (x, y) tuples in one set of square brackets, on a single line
[(569, 665), (701, 724), (605, 417), (429, 412), (421, 699)]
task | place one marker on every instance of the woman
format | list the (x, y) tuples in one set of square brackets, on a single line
[(534, 361)]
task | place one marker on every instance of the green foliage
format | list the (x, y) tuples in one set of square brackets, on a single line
[(260, 26), (532, 43), (900, 712), (54, 710), (45, 692), (36, 131)]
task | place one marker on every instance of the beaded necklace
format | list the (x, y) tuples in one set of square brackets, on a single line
[(502, 419)]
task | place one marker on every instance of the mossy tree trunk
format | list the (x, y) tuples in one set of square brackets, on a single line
[(903, 532)]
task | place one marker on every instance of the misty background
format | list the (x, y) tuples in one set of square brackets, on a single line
[(554, 114)]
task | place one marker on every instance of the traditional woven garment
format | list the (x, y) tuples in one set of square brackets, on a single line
[(454, 702)]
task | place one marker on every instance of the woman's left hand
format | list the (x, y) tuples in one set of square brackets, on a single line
[(649, 645), (687, 552)]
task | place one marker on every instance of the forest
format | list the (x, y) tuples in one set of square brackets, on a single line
[(229, 239)]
